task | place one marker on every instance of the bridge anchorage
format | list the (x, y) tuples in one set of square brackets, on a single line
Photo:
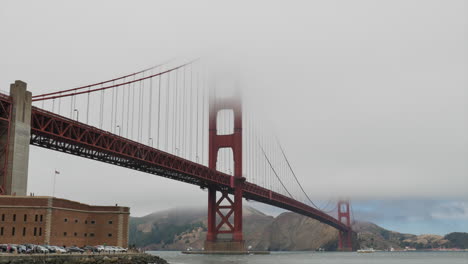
[(158, 121)]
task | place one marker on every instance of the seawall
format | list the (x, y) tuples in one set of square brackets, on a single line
[(137, 258)]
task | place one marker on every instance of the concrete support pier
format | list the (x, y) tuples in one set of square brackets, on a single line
[(228, 245), (20, 135)]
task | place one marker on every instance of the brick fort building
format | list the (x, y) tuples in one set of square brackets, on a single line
[(60, 222)]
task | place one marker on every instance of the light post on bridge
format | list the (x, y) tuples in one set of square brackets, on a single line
[(77, 114), (119, 129)]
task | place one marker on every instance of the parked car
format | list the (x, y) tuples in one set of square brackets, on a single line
[(41, 249), (6, 248), (74, 250), (50, 248), (100, 248), (111, 249), (121, 249), (17, 248), (59, 249), (90, 248), (29, 248), (21, 249)]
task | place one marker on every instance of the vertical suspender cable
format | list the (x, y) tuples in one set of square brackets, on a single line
[(227, 124), (112, 111), (128, 108), (87, 107), (203, 118), (190, 114), (159, 110), (142, 93), (150, 109), (175, 114), (59, 103), (182, 142), (74, 104), (101, 113), (196, 122), (116, 109), (166, 135), (139, 110), (71, 106), (132, 129), (123, 106)]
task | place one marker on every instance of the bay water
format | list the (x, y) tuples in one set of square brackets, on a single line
[(175, 257)]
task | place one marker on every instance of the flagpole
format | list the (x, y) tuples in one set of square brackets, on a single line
[(55, 176)]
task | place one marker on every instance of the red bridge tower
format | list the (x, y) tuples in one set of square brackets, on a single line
[(344, 238), (222, 211)]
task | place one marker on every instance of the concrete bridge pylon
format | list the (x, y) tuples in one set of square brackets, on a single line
[(15, 139)]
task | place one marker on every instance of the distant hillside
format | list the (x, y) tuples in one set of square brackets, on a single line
[(172, 229), (458, 239), (178, 229), (290, 231), (371, 235)]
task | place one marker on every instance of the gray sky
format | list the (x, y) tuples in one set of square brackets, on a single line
[(369, 98)]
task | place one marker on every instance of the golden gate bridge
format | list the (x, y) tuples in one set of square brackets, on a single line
[(169, 120)]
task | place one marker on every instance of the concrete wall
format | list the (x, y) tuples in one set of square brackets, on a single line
[(20, 134)]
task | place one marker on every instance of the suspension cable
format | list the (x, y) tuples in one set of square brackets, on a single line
[(294, 174), (274, 171), (101, 83), (75, 92)]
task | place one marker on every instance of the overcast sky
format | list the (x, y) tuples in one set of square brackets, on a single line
[(369, 98)]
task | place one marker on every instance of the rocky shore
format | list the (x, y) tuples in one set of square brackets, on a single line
[(82, 259)]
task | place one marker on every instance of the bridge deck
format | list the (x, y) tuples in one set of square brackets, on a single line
[(59, 133)]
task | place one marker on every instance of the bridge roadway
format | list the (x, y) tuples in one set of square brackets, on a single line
[(52, 131)]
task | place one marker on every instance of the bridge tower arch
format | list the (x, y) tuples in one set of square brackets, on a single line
[(230, 214)]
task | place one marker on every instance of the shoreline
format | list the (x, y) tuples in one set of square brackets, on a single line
[(118, 258)]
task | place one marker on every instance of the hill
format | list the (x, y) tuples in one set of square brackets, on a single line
[(458, 239), (179, 229)]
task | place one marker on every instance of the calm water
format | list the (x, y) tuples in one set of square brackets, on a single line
[(321, 258)]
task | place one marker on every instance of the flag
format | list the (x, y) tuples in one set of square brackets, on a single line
[(57, 172)]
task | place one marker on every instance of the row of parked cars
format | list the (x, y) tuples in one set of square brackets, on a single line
[(45, 249)]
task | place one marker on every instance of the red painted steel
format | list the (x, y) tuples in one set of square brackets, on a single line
[(74, 91), (96, 84), (59, 133), (5, 127), (344, 239), (234, 142)]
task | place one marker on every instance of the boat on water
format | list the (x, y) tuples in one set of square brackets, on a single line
[(367, 250)]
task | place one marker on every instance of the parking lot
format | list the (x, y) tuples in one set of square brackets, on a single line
[(50, 249)]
